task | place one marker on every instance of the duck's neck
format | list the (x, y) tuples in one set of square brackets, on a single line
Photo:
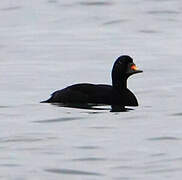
[(119, 84)]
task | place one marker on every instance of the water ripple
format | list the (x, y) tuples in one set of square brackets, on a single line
[(90, 159), (164, 161), (149, 31), (163, 12), (96, 3), (4, 106), (122, 178), (20, 139), (58, 120), (177, 114), (164, 138), (101, 127), (158, 154), (52, 1), (115, 22), (72, 172), (10, 8), (87, 147), (165, 170), (10, 165)]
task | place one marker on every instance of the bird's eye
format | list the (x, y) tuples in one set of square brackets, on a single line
[(134, 67)]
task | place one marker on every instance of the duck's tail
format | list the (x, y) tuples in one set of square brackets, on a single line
[(46, 101)]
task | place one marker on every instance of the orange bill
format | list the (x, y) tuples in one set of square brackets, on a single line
[(134, 67)]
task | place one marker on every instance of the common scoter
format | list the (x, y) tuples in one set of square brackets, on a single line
[(117, 95)]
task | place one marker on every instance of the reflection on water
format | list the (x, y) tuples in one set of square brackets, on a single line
[(80, 106), (87, 106)]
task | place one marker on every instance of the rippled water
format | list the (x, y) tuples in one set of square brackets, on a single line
[(49, 44)]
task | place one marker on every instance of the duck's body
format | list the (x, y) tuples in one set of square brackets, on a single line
[(94, 94), (116, 95)]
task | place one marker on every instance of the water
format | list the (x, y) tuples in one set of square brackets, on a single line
[(49, 44)]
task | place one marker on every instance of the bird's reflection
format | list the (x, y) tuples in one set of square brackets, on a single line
[(89, 106)]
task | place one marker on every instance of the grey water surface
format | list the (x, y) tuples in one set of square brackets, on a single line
[(46, 45)]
